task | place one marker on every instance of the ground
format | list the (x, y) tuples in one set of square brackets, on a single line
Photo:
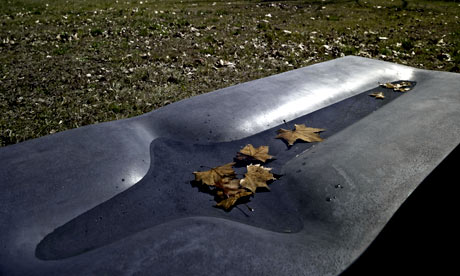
[(66, 64)]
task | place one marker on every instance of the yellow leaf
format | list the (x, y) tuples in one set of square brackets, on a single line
[(405, 84), (388, 85), (302, 132), (377, 95), (214, 175), (402, 89), (260, 153), (257, 176), (229, 202)]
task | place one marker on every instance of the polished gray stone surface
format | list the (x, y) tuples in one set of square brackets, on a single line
[(100, 199)]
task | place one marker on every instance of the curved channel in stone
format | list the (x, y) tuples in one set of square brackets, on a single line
[(166, 193)]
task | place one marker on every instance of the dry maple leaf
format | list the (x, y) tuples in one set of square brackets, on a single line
[(302, 132), (388, 85), (214, 175), (228, 186), (229, 202), (401, 87), (257, 176), (260, 153), (377, 95)]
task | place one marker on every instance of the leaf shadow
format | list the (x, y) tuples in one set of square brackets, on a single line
[(285, 142), (241, 201), (297, 142), (248, 160), (203, 188)]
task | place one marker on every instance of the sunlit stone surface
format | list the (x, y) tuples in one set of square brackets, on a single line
[(108, 198)]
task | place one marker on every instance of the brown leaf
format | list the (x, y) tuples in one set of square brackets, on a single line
[(400, 87), (260, 153), (302, 132), (229, 202), (257, 176), (228, 186), (214, 175), (377, 95)]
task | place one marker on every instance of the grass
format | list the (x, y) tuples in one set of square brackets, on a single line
[(66, 64)]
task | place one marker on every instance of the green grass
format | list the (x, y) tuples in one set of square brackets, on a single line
[(65, 64)]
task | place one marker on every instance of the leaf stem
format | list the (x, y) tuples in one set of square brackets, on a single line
[(286, 123), (249, 208)]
